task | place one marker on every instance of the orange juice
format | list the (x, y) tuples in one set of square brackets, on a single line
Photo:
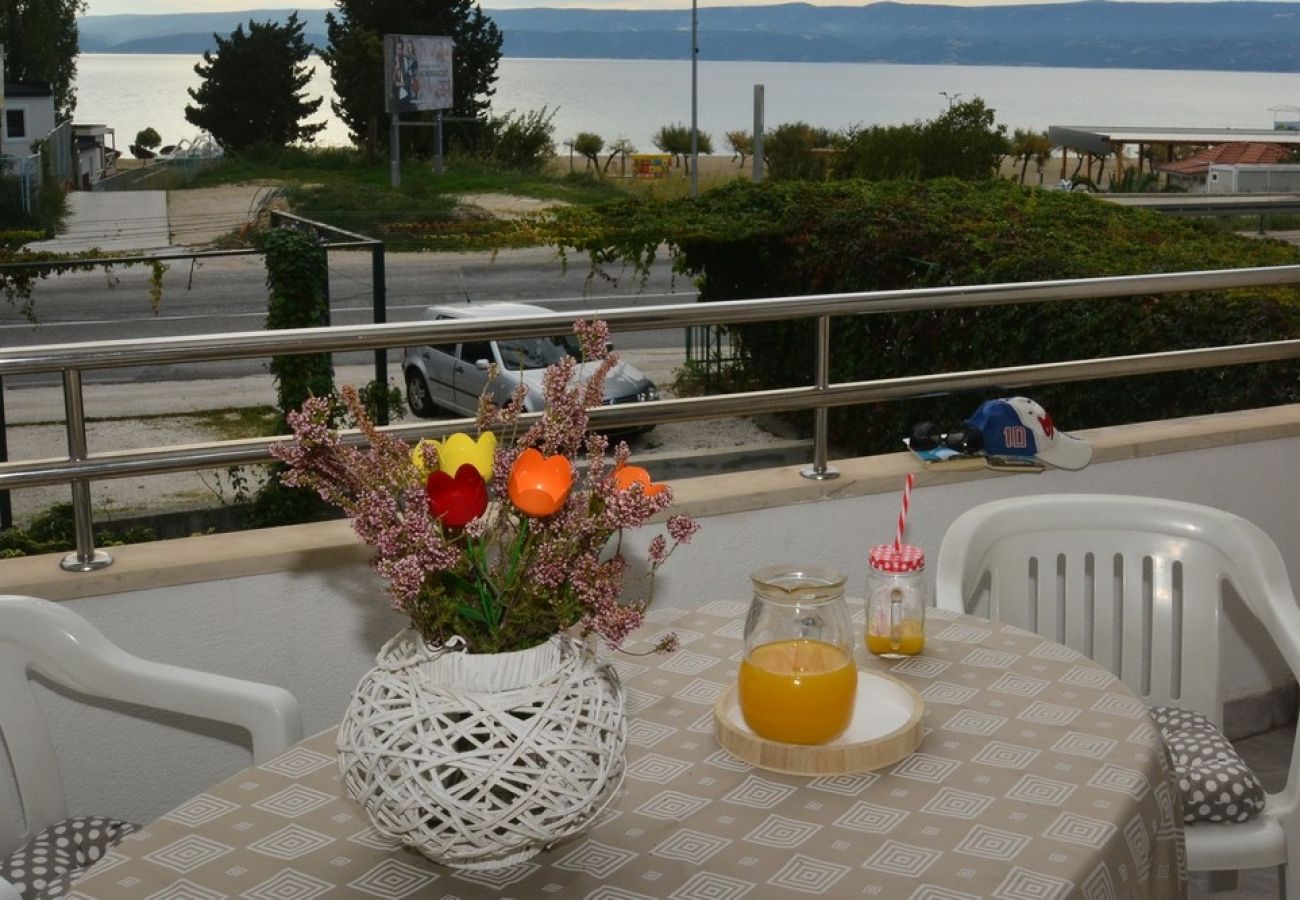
[(911, 638), (798, 691)]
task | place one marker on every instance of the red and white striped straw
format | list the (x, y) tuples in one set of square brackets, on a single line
[(902, 513)]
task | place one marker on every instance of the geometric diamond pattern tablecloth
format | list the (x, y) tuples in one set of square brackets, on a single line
[(1040, 776)]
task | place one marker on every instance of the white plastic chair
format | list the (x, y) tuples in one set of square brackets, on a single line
[(37, 636), (1137, 584)]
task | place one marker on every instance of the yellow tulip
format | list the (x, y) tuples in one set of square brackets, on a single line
[(460, 448)]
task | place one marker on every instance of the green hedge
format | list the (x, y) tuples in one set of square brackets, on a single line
[(791, 238)]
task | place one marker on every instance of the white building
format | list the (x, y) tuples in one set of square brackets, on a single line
[(28, 117), (1253, 179)]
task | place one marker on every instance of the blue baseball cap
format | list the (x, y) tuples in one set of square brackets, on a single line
[(1018, 428)]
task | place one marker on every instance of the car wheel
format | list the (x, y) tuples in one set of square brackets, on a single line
[(418, 395)]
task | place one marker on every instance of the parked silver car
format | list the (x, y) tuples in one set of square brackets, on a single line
[(451, 377)]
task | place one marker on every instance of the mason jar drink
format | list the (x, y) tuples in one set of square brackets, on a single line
[(895, 600)]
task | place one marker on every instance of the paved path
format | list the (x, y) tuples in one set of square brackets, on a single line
[(112, 220)]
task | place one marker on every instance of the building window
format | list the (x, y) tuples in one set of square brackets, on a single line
[(15, 123)]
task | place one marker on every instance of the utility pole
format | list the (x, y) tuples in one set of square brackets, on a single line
[(695, 61)]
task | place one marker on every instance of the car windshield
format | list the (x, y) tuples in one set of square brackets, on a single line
[(537, 353)]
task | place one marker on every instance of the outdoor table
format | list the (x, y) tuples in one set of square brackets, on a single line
[(1040, 776)]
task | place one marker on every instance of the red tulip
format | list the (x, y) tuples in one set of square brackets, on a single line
[(457, 501)]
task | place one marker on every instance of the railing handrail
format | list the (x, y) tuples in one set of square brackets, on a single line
[(79, 467), (92, 355)]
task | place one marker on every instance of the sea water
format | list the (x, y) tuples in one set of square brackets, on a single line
[(633, 98)]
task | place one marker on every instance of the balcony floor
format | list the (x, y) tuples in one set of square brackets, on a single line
[(1269, 754)]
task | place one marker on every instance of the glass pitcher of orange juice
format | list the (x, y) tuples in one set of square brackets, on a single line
[(798, 682)]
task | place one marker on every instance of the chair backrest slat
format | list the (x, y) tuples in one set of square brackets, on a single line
[(1136, 584)]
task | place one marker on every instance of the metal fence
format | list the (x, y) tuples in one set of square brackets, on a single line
[(20, 183), (22, 178), (80, 468), (160, 175)]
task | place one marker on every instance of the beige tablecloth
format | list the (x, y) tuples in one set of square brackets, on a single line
[(1040, 776)]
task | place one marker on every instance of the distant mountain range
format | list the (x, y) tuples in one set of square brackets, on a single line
[(1234, 36)]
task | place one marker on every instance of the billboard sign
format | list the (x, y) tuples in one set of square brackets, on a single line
[(417, 72)]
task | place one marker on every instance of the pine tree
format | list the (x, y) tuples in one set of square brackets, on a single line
[(355, 58), (40, 41), (252, 90)]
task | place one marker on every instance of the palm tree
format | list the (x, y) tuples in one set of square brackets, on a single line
[(1027, 145)]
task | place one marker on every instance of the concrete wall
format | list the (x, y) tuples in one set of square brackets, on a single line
[(314, 627)]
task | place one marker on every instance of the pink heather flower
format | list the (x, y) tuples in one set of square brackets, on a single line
[(658, 551), (593, 337), (670, 643), (682, 528)]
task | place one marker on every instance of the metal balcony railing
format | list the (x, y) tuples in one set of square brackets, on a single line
[(80, 468)]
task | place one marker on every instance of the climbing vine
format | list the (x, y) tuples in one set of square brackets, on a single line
[(19, 275), (297, 278)]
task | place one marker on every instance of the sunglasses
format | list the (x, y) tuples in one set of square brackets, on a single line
[(927, 436)]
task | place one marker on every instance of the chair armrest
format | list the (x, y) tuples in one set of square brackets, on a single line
[(270, 714), (77, 654)]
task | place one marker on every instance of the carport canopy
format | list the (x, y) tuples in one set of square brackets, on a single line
[(1103, 141)]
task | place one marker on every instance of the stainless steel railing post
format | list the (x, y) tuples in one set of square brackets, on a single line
[(86, 558), (821, 470)]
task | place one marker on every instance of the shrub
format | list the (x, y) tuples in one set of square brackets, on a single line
[(53, 531), (788, 238), (524, 142), (964, 142), (788, 151)]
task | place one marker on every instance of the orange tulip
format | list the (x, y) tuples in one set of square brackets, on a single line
[(539, 485), (626, 476)]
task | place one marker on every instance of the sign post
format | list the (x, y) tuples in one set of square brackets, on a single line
[(756, 152), (417, 78)]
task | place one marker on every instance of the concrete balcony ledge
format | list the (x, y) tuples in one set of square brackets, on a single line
[(318, 546)]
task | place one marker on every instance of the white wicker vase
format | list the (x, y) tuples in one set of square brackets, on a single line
[(480, 761)]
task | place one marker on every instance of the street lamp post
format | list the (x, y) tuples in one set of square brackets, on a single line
[(695, 59), (951, 98)]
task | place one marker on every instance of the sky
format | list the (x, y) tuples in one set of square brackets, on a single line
[(148, 7)]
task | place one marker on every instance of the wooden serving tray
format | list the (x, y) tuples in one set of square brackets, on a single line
[(886, 727)]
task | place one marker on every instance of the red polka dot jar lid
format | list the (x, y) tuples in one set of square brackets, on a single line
[(902, 559)]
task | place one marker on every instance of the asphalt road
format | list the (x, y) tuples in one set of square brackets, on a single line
[(228, 294)]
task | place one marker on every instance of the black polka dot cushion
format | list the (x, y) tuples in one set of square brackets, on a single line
[(1217, 786), (46, 865)]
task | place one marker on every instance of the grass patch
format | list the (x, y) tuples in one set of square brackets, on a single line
[(229, 424), (237, 423), (340, 187)]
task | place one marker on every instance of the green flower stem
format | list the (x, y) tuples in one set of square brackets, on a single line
[(522, 541)]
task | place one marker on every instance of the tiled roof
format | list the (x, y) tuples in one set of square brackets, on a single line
[(1240, 154)]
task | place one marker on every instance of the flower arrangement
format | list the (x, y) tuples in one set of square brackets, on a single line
[(502, 545)]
